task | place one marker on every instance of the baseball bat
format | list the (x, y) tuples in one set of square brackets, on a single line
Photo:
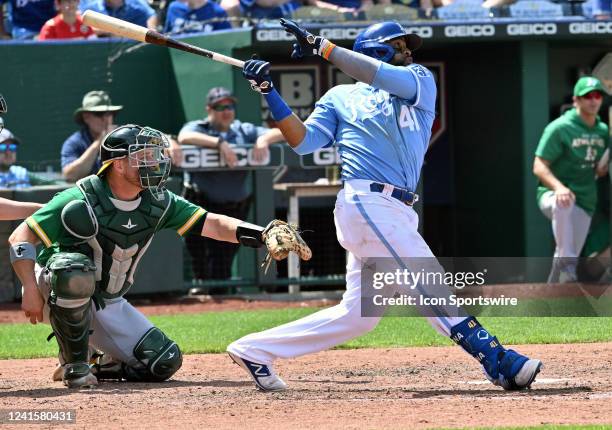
[(126, 29)]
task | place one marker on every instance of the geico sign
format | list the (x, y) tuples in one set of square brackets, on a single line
[(273, 35), (326, 157), (469, 31), (590, 27), (340, 33), (195, 158), (527, 29)]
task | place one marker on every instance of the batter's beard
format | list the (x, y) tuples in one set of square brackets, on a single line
[(401, 60)]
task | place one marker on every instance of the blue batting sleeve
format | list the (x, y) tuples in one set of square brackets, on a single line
[(314, 139), (413, 83), (278, 107)]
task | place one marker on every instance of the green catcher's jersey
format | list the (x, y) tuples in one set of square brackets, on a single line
[(124, 230), (573, 149)]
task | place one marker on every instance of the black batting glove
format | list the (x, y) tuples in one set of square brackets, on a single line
[(307, 43), (257, 72)]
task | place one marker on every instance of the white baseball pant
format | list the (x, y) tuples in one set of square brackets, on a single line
[(368, 224), (570, 226)]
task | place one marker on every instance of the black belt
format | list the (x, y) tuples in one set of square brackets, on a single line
[(404, 196)]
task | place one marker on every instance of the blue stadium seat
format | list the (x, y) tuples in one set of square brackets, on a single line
[(526, 9), (463, 10)]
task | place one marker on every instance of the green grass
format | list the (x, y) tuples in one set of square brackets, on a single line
[(212, 332)]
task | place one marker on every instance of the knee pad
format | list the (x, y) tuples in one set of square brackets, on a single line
[(73, 277), (72, 285), (160, 356)]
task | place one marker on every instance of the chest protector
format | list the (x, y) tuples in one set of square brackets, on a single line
[(121, 237)]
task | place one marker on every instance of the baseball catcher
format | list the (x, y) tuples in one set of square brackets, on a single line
[(94, 235)]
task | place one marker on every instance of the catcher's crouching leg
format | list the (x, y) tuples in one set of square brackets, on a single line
[(158, 359), (72, 280)]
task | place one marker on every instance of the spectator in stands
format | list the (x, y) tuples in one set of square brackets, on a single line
[(342, 6), (67, 24), (28, 17), (11, 175), (195, 16), (260, 9), (602, 9), (566, 165), (135, 11), (222, 192), (81, 150)]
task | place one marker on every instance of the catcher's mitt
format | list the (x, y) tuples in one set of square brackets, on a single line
[(281, 238)]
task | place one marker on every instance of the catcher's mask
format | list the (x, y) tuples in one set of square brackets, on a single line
[(145, 149)]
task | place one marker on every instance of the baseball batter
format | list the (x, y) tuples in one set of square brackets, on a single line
[(567, 164), (382, 127), (94, 236)]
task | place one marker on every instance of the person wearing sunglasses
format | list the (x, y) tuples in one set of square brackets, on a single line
[(9, 209), (223, 192), (13, 176), (567, 164)]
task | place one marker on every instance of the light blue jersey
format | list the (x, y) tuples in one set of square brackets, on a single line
[(380, 135)]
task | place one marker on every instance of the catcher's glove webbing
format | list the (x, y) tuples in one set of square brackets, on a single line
[(280, 238)]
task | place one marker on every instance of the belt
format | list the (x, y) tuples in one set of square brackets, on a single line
[(407, 197)]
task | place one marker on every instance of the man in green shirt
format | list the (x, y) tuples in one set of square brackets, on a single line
[(567, 165), (94, 235)]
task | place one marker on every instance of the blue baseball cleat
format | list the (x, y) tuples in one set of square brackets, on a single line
[(503, 367), (516, 372), (264, 376)]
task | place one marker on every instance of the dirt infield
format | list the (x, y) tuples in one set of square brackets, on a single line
[(384, 388)]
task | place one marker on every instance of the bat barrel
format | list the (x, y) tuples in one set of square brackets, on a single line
[(114, 25)]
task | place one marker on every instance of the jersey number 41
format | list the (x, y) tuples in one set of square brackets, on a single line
[(408, 118)]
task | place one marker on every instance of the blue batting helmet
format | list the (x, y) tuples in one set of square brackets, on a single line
[(371, 41)]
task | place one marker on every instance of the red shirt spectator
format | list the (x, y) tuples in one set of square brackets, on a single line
[(68, 24)]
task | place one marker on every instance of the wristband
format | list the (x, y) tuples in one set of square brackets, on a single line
[(278, 106), (22, 251), (219, 142), (326, 49), (250, 235)]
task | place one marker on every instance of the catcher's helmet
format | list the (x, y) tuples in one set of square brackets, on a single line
[(144, 148), (371, 41)]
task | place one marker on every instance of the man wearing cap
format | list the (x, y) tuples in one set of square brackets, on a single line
[(13, 176), (80, 152), (567, 164), (223, 192)]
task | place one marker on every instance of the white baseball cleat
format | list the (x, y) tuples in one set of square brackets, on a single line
[(527, 374), (264, 376)]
